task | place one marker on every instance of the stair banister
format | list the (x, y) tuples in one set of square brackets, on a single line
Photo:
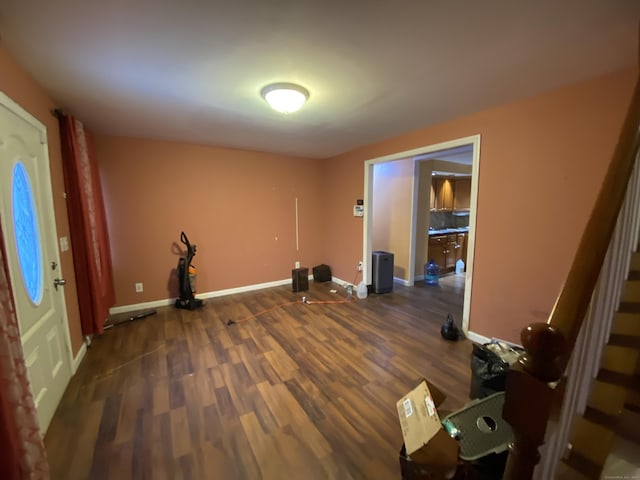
[(531, 393)]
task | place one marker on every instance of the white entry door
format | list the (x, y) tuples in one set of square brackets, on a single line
[(26, 212)]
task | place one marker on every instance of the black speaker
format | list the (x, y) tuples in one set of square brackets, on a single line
[(300, 279), (321, 273)]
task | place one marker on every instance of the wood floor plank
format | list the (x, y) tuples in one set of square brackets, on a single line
[(287, 389)]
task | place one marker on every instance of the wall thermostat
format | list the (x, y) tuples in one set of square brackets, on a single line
[(358, 211)]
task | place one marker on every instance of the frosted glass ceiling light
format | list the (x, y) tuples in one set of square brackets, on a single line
[(285, 97)]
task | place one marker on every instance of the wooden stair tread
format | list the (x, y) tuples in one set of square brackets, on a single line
[(626, 324), (631, 290), (591, 440), (629, 307), (619, 359), (634, 265), (617, 378), (624, 425), (579, 467), (628, 341)]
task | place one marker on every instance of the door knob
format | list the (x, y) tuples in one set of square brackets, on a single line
[(59, 282)]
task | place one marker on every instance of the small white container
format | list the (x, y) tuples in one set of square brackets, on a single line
[(459, 266), (361, 292)]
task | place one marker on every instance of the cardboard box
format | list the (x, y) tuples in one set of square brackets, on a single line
[(426, 442)]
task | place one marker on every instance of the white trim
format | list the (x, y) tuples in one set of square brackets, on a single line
[(477, 338), (79, 357), (367, 233), (218, 293), (402, 281), (339, 281)]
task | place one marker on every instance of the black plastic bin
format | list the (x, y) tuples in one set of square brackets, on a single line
[(488, 371)]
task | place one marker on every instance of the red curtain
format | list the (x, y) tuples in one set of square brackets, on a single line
[(22, 453), (88, 225)]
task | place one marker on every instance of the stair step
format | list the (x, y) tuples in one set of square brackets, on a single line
[(626, 324), (591, 440), (617, 378), (619, 359), (631, 291), (628, 341), (607, 398), (632, 401), (629, 307), (581, 465), (625, 425), (566, 470), (635, 262), (623, 461)]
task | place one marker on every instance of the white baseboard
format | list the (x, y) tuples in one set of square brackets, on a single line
[(402, 281), (340, 282), (79, 357), (477, 338), (218, 293)]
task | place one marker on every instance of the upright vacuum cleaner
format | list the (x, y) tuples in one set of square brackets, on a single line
[(187, 278)]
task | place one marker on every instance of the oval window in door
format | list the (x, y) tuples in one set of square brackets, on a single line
[(27, 233)]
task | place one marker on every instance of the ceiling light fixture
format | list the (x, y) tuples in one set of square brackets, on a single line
[(285, 97)]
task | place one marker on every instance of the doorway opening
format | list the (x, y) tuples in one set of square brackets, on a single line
[(409, 215)]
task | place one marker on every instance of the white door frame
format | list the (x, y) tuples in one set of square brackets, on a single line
[(367, 233)]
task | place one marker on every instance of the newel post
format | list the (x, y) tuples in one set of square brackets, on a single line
[(530, 393)]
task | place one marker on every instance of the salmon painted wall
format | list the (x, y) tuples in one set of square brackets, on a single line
[(391, 214), (542, 161), (237, 206), (21, 88)]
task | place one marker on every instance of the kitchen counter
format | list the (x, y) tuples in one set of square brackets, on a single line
[(443, 231)]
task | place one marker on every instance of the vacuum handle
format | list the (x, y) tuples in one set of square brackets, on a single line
[(184, 239)]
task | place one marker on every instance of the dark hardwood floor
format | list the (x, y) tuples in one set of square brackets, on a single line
[(290, 390)]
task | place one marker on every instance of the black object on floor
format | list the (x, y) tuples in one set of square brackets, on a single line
[(321, 273), (382, 271), (449, 330), (300, 279), (131, 318)]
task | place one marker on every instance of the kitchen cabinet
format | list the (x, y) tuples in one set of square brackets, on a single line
[(449, 193), (446, 250), (438, 250), (462, 194), (443, 188)]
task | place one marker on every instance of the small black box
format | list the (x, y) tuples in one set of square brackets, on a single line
[(300, 279), (322, 273)]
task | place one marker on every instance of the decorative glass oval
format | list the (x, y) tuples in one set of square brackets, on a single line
[(27, 233)]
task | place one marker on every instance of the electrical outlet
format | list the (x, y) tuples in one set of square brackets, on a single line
[(297, 264), (139, 287), (360, 266)]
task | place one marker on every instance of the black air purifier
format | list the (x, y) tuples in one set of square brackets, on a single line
[(382, 272)]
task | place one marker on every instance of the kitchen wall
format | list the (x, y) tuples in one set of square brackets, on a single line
[(237, 206), (20, 87), (542, 160)]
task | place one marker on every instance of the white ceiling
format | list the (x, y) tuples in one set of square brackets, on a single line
[(192, 70)]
